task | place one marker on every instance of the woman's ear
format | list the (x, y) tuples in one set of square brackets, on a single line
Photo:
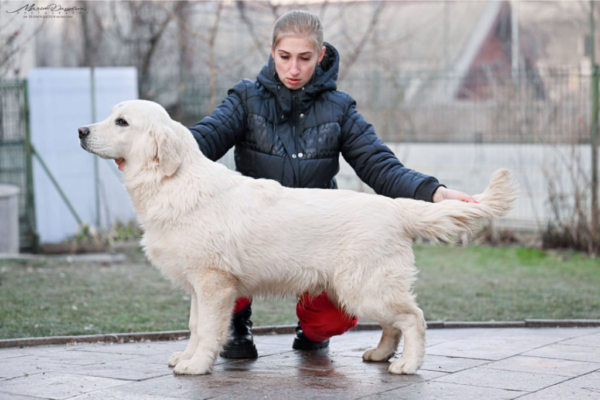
[(272, 50), (322, 54)]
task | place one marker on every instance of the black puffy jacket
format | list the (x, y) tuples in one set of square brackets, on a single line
[(296, 136)]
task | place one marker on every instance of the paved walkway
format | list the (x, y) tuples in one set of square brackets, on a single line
[(524, 363)]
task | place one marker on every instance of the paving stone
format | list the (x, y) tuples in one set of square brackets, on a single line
[(587, 340), (438, 336), (138, 349), (434, 390), (509, 380), (545, 366), (367, 370), (194, 387), (116, 394), (56, 386), (488, 347), (163, 359), (37, 350), (29, 365), (346, 383), (567, 352), (355, 350), (320, 360), (450, 364), (284, 340), (82, 357), (135, 369), (10, 396), (263, 351), (355, 347), (581, 388), (11, 353), (555, 333)]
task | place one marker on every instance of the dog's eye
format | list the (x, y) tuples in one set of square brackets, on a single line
[(121, 122)]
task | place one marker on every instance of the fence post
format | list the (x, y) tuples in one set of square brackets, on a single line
[(96, 162), (34, 238), (594, 133)]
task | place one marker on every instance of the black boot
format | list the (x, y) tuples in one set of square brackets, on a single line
[(301, 342), (241, 342)]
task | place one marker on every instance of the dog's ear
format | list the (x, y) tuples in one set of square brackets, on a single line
[(167, 150)]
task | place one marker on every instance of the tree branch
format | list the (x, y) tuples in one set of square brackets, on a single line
[(354, 56)]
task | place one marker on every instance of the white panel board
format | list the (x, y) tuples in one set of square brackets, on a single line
[(60, 102), (468, 168)]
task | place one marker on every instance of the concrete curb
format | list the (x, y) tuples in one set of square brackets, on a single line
[(287, 329)]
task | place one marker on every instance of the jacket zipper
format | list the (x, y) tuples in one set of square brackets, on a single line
[(296, 123)]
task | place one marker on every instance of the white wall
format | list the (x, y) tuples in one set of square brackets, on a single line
[(468, 168), (60, 103)]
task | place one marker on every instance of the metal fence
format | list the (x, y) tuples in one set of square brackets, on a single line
[(554, 107), (551, 106), (15, 157)]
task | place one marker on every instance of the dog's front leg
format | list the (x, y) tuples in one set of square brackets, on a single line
[(215, 294), (193, 342)]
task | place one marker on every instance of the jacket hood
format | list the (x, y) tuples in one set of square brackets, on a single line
[(324, 79)]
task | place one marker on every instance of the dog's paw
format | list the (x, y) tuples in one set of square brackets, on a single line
[(188, 367), (404, 366), (377, 356), (177, 357)]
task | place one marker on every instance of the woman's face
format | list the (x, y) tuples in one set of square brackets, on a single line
[(295, 60)]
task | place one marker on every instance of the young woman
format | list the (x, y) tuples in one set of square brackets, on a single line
[(291, 125)]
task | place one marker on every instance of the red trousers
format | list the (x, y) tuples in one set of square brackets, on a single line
[(319, 318)]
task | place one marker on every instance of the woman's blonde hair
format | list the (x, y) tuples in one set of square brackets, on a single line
[(298, 23)]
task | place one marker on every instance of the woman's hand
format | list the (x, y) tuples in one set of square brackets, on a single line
[(442, 194)]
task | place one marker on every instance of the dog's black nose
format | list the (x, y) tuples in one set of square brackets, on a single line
[(83, 132)]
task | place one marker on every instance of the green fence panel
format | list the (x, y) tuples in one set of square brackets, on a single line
[(15, 159)]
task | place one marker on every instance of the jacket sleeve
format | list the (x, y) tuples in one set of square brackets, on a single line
[(219, 132), (377, 165)]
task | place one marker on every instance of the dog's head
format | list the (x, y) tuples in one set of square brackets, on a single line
[(138, 133)]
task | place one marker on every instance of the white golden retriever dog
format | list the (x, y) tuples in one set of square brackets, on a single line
[(221, 235)]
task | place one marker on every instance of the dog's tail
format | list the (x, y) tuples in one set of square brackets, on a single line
[(440, 220)]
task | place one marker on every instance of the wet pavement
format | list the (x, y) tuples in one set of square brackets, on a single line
[(501, 363)]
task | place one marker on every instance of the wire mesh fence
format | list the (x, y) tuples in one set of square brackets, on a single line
[(14, 157), (552, 106), (499, 108)]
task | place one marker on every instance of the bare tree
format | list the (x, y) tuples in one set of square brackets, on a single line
[(14, 38), (208, 35), (358, 47), (92, 32), (142, 30), (258, 41)]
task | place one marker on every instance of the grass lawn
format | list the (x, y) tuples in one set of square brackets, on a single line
[(54, 297)]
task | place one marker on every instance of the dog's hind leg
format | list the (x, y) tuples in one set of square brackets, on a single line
[(412, 324), (387, 345), (193, 342), (215, 294)]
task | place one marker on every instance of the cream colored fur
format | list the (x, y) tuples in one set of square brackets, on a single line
[(221, 235)]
